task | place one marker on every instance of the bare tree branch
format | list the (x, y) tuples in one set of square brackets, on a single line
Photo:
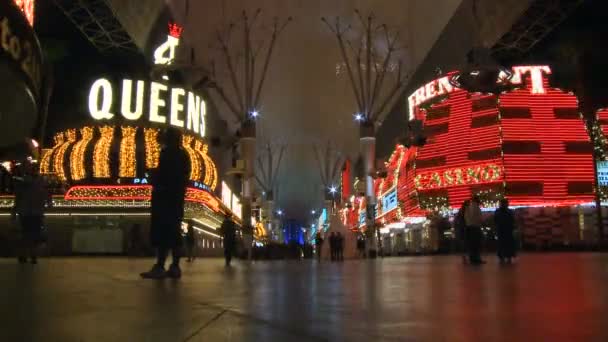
[(228, 57), (385, 64), (378, 115), (276, 173), (318, 158), (275, 34), (220, 91), (339, 35)]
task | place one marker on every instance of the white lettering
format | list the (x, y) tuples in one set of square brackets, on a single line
[(445, 87), (161, 97), (156, 102), (431, 89), (177, 107), (127, 90), (104, 112), (203, 128), (412, 106), (536, 72), (193, 112), (165, 53)]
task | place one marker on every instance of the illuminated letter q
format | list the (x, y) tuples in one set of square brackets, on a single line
[(105, 87)]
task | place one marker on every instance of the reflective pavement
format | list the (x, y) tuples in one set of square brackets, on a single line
[(545, 297)]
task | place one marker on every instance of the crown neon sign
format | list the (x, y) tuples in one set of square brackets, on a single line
[(165, 53)]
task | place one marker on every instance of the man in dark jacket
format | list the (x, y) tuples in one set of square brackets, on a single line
[(505, 225), (319, 245), (167, 205), (228, 231)]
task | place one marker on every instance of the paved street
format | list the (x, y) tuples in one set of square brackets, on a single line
[(546, 297)]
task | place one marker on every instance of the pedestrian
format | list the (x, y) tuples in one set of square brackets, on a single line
[(228, 232), (332, 245), (31, 196), (361, 246), (473, 221), (339, 247), (190, 242), (319, 244), (460, 230), (167, 205), (505, 226), (135, 239)]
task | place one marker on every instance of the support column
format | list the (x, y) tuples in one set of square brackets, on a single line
[(270, 227), (248, 146), (367, 143)]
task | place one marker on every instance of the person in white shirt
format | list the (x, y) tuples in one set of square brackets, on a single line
[(473, 221)]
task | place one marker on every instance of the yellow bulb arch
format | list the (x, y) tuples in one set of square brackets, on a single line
[(59, 158), (45, 163), (98, 142), (77, 167)]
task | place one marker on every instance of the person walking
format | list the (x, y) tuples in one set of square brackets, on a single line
[(505, 225), (135, 240), (190, 242), (167, 206), (332, 245), (361, 245), (31, 197), (460, 230), (319, 244), (228, 232), (339, 247), (473, 221)]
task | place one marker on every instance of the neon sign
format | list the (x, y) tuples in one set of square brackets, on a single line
[(458, 176), (165, 53), (389, 201), (27, 7), (438, 87), (442, 85), (175, 106)]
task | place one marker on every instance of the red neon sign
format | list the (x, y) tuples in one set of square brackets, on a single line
[(175, 30), (28, 9), (527, 144), (475, 174)]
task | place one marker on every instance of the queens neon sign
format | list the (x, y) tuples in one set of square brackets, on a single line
[(477, 174), (166, 105)]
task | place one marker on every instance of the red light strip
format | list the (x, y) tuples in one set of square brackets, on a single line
[(543, 127)]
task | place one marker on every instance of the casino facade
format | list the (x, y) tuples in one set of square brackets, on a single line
[(528, 144), (100, 168)]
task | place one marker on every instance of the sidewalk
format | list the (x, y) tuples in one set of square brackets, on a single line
[(556, 297)]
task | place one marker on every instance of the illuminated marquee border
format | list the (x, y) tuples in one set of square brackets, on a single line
[(134, 193), (203, 170)]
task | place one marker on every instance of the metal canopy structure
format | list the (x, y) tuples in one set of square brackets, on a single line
[(98, 23), (537, 22)]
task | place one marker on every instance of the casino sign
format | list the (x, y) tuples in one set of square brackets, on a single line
[(20, 71)]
